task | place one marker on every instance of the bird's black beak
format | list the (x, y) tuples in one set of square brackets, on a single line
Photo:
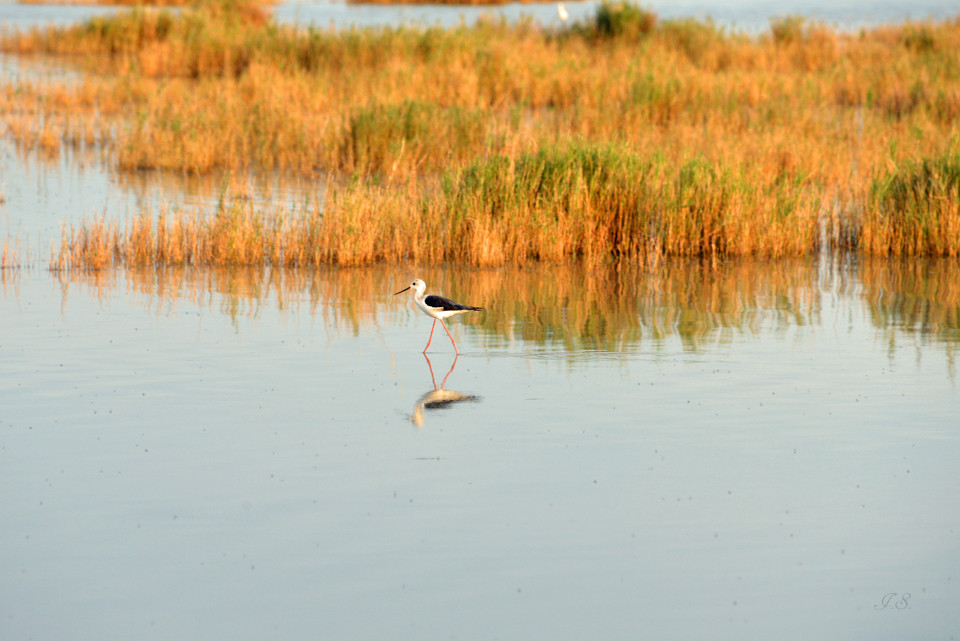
[(402, 290)]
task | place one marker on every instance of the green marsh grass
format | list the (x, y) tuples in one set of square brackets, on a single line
[(915, 210)]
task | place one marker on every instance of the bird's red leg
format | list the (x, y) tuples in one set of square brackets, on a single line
[(451, 337), (432, 327)]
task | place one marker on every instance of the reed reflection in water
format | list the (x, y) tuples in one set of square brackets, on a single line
[(573, 309)]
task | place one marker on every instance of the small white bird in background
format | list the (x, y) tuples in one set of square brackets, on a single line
[(562, 12), (436, 307)]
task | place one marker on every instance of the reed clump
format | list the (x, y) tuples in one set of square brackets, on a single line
[(47, 118), (597, 202), (89, 247), (561, 203), (622, 20), (915, 210), (377, 138), (210, 37)]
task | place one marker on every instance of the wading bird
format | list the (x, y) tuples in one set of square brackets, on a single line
[(562, 13), (437, 307)]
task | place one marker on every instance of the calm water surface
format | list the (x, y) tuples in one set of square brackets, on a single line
[(740, 452), (734, 451)]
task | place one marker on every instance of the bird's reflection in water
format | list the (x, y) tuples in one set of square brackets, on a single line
[(439, 397)]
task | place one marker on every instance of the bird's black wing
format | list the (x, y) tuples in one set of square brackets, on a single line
[(439, 302)]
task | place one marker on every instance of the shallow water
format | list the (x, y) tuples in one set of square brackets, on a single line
[(740, 451), (42, 193)]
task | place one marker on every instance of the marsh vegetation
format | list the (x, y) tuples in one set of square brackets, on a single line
[(623, 137)]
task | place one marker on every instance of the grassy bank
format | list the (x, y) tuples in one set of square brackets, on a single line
[(625, 136)]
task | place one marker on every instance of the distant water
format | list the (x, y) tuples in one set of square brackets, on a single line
[(747, 15)]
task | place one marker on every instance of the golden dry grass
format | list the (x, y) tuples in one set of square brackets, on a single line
[(560, 203), (703, 143)]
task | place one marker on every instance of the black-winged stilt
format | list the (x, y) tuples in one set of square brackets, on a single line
[(437, 307)]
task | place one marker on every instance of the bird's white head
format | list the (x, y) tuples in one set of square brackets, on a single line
[(418, 287)]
